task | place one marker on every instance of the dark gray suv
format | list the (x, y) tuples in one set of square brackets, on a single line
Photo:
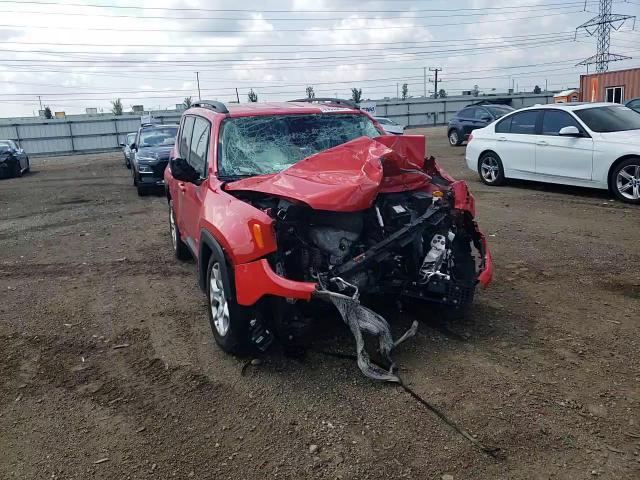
[(472, 117)]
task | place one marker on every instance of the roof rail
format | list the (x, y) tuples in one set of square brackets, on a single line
[(212, 105), (339, 101)]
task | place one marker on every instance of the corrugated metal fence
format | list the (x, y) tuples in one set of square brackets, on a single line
[(420, 112), (104, 133), (61, 136)]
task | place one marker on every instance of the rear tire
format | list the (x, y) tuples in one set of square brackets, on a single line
[(625, 181), (490, 169), (229, 321), (454, 138), (180, 249)]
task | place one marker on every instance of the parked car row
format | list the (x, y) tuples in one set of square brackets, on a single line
[(146, 153), (584, 144)]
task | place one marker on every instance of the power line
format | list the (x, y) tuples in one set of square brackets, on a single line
[(309, 29), (454, 12), (251, 10)]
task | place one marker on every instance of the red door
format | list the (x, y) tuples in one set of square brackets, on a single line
[(192, 195)]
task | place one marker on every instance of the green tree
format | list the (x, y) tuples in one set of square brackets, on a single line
[(47, 112), (252, 96), (442, 93), (537, 89), (310, 92), (356, 94), (116, 106), (187, 102), (405, 91)]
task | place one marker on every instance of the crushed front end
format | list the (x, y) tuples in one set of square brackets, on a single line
[(407, 230)]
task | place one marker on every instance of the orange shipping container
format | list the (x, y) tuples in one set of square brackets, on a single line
[(618, 87)]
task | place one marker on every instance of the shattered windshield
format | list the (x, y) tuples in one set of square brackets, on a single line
[(269, 144)]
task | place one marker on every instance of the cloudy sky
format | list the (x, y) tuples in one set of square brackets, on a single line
[(77, 54)]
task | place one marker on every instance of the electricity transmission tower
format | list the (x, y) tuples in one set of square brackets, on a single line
[(601, 27)]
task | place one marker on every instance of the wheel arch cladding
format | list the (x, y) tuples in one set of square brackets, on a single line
[(208, 246), (614, 165)]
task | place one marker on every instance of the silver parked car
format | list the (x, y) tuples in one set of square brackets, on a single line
[(126, 148)]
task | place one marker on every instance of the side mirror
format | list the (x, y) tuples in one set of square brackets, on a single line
[(182, 171), (123, 144), (569, 131)]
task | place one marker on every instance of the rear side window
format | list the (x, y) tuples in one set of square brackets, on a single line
[(466, 113), (481, 114), (504, 126), (199, 146), (185, 137), (554, 120), (524, 123)]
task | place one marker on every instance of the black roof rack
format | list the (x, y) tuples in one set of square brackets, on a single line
[(212, 105), (339, 101)]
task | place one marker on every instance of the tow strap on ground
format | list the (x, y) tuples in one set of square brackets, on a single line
[(494, 452), (360, 320)]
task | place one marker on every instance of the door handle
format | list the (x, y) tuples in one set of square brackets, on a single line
[(182, 186), (502, 139), (542, 143)]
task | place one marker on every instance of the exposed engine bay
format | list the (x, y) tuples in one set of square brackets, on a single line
[(368, 219)]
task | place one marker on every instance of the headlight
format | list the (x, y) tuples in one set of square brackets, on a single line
[(142, 168)]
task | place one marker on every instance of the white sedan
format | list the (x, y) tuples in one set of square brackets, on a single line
[(390, 126), (589, 145)]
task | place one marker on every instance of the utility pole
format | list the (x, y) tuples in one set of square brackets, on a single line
[(435, 82), (425, 81), (546, 85), (397, 91), (198, 80), (601, 27), (40, 100), (237, 95)]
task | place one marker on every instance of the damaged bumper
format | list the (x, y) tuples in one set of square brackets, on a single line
[(257, 279)]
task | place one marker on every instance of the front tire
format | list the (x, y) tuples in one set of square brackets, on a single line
[(454, 138), (180, 248), (229, 321), (625, 180), (490, 169), (28, 168), (142, 191)]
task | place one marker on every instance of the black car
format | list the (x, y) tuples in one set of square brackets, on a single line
[(13, 161), (472, 117), (150, 155)]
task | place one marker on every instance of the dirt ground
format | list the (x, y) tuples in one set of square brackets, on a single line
[(108, 368)]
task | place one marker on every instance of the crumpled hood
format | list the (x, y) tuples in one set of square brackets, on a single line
[(347, 177)]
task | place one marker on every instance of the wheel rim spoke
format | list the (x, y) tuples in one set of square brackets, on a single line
[(219, 304), (628, 182)]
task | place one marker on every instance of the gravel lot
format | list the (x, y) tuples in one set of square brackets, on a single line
[(109, 368)]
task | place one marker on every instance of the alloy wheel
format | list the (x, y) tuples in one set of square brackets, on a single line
[(489, 169), (218, 301), (453, 138), (628, 182)]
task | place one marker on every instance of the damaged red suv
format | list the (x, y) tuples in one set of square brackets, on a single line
[(287, 204)]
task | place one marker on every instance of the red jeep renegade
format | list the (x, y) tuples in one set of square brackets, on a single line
[(279, 202)]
